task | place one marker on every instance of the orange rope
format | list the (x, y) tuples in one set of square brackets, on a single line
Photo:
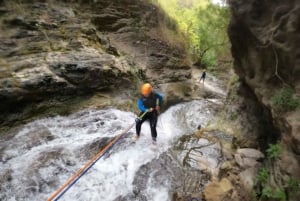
[(89, 163)]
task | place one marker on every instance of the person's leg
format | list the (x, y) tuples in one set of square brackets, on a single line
[(139, 123), (153, 122)]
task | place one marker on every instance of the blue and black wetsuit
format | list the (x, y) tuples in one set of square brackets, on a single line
[(145, 103)]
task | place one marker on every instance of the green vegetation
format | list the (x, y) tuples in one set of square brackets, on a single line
[(263, 176), (233, 116), (203, 25), (268, 191), (284, 99), (274, 150), (293, 185), (270, 188), (278, 194), (233, 80)]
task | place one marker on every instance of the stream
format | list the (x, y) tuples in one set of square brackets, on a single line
[(37, 158)]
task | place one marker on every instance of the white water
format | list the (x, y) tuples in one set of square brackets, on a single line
[(39, 166)]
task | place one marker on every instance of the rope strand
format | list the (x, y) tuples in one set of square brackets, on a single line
[(67, 185)]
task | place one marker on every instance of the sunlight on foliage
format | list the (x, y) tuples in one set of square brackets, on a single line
[(203, 24)]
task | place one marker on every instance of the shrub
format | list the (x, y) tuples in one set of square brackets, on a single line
[(263, 176), (274, 150), (284, 99)]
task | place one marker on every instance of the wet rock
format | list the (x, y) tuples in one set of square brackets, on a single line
[(183, 197), (59, 50), (109, 21), (247, 157), (247, 178), (264, 36), (5, 176), (250, 153), (95, 147), (218, 190), (289, 164), (20, 21), (131, 197), (176, 92), (165, 171), (200, 154), (27, 140), (5, 182)]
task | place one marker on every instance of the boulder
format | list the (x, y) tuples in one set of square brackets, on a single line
[(247, 157), (218, 190), (247, 178), (250, 153)]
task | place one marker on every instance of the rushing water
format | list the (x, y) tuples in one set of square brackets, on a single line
[(43, 154)]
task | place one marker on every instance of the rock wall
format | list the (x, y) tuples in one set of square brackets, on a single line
[(265, 46), (54, 49)]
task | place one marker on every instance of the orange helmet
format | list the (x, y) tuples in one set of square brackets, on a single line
[(146, 89)]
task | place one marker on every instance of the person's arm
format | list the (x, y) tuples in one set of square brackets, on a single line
[(141, 105), (160, 99)]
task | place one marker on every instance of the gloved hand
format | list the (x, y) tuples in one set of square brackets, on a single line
[(137, 120)]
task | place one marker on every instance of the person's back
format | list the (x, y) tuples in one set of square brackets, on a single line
[(203, 76)]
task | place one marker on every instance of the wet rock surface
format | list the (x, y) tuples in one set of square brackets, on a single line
[(264, 37), (56, 49), (55, 148)]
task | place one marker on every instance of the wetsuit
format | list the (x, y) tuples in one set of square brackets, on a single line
[(203, 76), (145, 103)]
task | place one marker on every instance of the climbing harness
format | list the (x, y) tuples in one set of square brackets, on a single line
[(68, 184)]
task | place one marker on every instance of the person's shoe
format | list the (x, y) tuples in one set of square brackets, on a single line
[(154, 145), (135, 138)]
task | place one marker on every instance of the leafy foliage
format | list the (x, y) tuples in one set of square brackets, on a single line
[(284, 99), (280, 194), (204, 26), (263, 176), (267, 192), (293, 184), (274, 150)]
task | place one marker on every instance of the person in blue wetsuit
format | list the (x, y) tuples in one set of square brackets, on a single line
[(150, 102)]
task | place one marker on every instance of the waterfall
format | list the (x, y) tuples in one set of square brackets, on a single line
[(40, 156)]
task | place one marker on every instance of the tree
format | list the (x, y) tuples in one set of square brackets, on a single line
[(203, 24), (211, 34)]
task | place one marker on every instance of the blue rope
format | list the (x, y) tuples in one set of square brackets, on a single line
[(85, 171)]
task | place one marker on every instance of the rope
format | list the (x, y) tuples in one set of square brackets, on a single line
[(68, 184)]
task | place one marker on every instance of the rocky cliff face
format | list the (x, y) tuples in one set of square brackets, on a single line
[(69, 48), (265, 46)]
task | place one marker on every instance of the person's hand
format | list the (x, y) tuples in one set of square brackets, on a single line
[(157, 108), (137, 120), (150, 109)]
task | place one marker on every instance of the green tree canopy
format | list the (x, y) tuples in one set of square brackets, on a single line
[(204, 26)]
